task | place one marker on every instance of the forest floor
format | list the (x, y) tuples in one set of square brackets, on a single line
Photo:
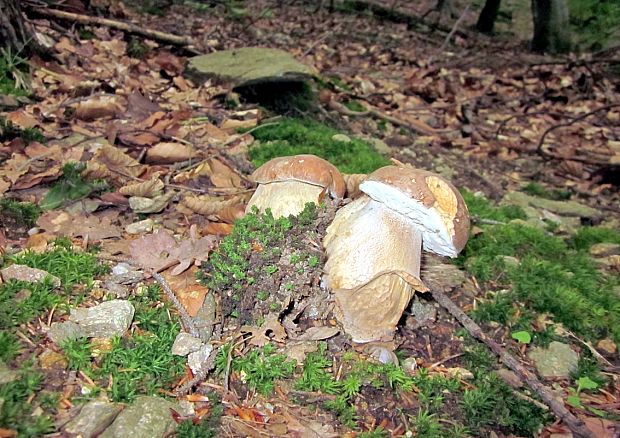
[(115, 142)]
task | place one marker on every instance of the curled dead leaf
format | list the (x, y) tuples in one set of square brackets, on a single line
[(209, 205), (169, 152), (145, 189), (150, 205), (117, 165), (98, 107)]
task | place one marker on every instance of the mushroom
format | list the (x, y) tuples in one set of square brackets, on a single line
[(287, 184), (374, 246)]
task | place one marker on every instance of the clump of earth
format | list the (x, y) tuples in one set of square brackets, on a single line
[(272, 267)]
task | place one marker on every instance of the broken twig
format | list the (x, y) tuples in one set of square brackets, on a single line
[(577, 426)]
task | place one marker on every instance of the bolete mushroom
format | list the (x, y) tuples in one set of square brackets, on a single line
[(287, 184), (374, 246)]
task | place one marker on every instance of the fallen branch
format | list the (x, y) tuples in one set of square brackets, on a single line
[(577, 426), (186, 319), (115, 24)]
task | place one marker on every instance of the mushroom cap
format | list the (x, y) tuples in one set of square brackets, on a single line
[(427, 199), (305, 168)]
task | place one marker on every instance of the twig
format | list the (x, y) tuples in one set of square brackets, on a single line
[(199, 377), (121, 25), (452, 31), (577, 426), (187, 320), (539, 147)]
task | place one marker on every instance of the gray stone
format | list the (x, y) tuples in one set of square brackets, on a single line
[(141, 227), (341, 137), (249, 66), (147, 417), (61, 331), (423, 314), (94, 417), (559, 360), (205, 317), (604, 249), (111, 318), (26, 273), (7, 375), (510, 377), (379, 145), (185, 344), (563, 208), (198, 359)]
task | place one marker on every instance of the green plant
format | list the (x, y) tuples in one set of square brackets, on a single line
[(377, 432), (142, 363), (19, 401), (426, 425), (291, 137), (78, 353), (315, 375), (8, 131), (536, 189), (9, 346), (70, 187), (23, 213), (595, 22), (14, 73), (481, 208), (262, 366), (21, 301)]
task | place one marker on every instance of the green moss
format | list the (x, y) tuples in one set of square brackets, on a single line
[(8, 131), (22, 213), (19, 400), (588, 236), (291, 137), (14, 73), (481, 208), (536, 189)]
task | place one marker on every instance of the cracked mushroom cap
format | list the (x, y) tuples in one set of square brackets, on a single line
[(304, 168), (427, 199)]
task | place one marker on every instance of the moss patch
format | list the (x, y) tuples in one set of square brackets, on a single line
[(291, 137)]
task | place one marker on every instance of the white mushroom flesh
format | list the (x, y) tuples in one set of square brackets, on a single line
[(365, 239), (285, 198), (437, 227)]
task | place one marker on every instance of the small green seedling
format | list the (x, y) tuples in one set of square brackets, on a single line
[(522, 337), (582, 383)]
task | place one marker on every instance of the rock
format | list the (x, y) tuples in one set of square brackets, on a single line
[(7, 375), (604, 249), (205, 317), (198, 359), (341, 137), (379, 145), (26, 273), (94, 417), (249, 66), (141, 227), (510, 261), (61, 331), (562, 208), (51, 359), (422, 314), (185, 344), (510, 377), (111, 318), (559, 360), (410, 365), (147, 417)]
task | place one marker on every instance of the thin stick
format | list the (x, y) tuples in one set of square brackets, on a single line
[(577, 426), (187, 320), (121, 25), (453, 30), (541, 142)]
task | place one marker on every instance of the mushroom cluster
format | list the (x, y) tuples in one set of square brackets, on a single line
[(374, 243), (374, 246), (287, 184)]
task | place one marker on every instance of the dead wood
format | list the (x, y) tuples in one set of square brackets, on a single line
[(115, 24), (577, 426)]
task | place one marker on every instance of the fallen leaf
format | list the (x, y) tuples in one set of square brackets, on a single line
[(98, 107), (169, 152), (146, 189)]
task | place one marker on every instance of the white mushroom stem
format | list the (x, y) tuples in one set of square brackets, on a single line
[(285, 198), (373, 267)]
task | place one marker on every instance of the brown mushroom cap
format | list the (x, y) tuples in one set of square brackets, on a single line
[(429, 200), (305, 168)]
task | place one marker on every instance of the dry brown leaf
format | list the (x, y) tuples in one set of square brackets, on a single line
[(217, 229), (139, 138), (146, 189), (156, 204), (207, 204), (120, 165), (188, 290), (270, 331), (232, 213), (219, 173), (169, 152), (99, 107), (64, 224)]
